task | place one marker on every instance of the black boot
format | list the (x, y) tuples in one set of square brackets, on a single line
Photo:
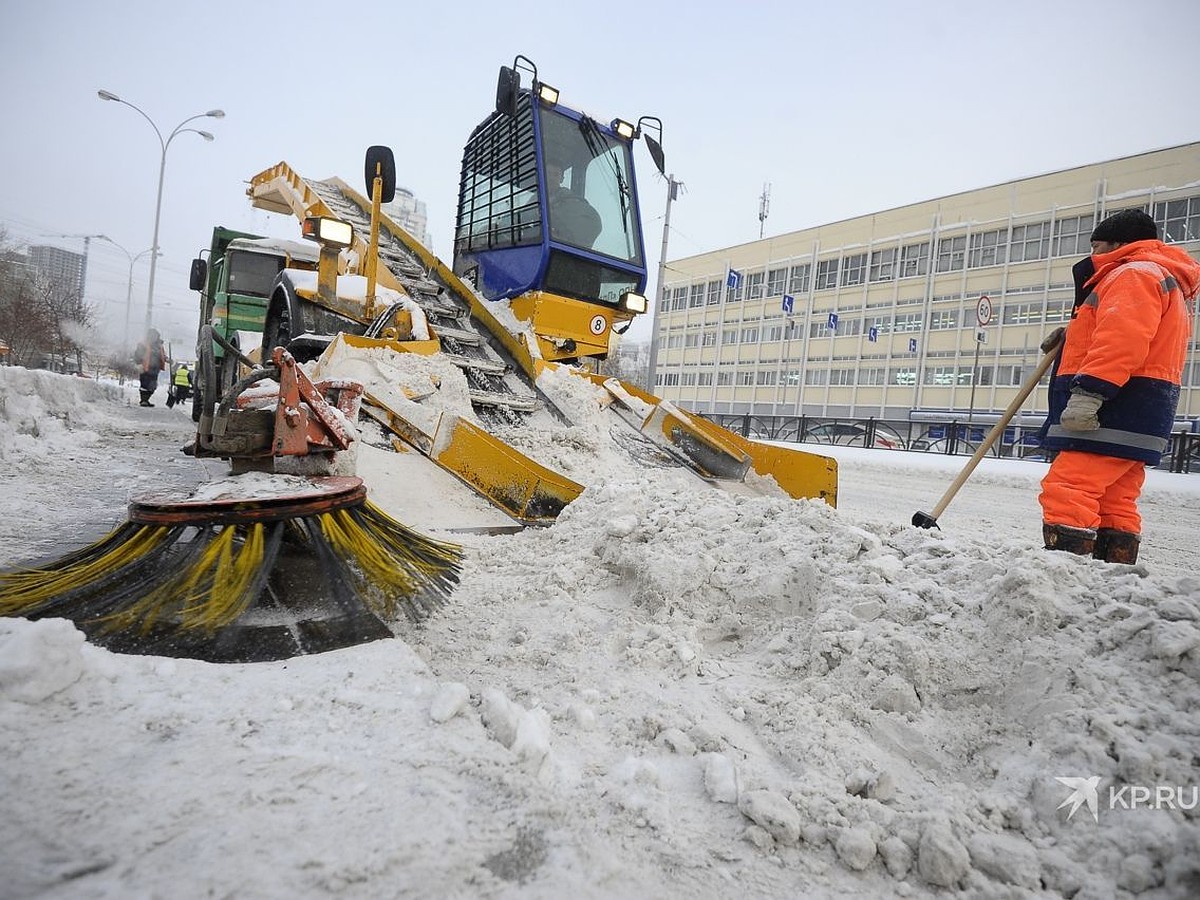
[(1117, 546), (1070, 539), (145, 398)]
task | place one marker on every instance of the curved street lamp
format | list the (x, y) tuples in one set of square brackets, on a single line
[(162, 168), (133, 258)]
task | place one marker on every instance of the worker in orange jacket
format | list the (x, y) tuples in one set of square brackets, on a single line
[(1115, 390)]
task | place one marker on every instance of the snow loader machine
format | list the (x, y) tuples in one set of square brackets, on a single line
[(549, 264)]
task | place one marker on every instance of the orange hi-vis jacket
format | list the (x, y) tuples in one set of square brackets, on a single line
[(1128, 344)]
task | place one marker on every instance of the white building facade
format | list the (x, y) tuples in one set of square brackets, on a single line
[(409, 213), (886, 309)]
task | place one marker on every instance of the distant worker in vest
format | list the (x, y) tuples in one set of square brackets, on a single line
[(151, 356), (181, 386), (1116, 387)]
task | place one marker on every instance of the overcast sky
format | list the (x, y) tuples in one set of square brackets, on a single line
[(843, 108)]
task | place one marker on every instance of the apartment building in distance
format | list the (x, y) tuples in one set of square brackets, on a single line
[(63, 268), (937, 306), (409, 213)]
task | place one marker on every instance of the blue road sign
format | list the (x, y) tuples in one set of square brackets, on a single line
[(733, 279), (789, 303), (872, 333), (912, 345), (833, 321)]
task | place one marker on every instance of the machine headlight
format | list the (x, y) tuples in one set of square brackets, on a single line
[(633, 302), (624, 130), (547, 94), (328, 232)]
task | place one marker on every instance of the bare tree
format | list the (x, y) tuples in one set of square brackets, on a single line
[(24, 320), (39, 318)]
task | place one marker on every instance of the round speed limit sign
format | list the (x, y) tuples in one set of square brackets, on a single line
[(983, 312), (598, 324)]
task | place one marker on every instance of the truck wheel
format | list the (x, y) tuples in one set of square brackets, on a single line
[(277, 329)]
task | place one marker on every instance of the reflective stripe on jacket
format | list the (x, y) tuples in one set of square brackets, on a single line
[(1128, 344)]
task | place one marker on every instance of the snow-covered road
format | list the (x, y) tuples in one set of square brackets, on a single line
[(669, 693)]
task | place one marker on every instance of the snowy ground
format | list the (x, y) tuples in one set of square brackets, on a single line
[(670, 693)]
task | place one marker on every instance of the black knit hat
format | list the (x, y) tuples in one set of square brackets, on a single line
[(1125, 227)]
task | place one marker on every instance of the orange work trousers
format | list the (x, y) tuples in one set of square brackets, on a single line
[(1088, 490)]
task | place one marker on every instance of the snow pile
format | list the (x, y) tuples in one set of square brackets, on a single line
[(42, 411), (673, 691)]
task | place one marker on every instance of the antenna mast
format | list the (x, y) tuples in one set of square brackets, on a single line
[(764, 207)]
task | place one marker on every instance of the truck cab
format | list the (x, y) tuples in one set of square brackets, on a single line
[(235, 285)]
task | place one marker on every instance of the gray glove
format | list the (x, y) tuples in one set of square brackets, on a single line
[(1053, 339), (1081, 412)]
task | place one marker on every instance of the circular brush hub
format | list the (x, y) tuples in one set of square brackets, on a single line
[(324, 494)]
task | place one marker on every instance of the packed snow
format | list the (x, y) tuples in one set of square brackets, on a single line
[(675, 691)]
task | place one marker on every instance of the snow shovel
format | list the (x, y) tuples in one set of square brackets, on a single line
[(929, 520)]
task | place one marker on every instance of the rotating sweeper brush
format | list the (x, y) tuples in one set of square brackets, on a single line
[(257, 567)]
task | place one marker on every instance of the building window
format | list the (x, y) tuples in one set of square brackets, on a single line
[(749, 335), (1029, 313), (688, 379), (709, 339), (871, 376), (679, 298), (692, 339), (988, 248), (914, 260), (696, 296), (816, 377), (841, 377), (854, 269), (951, 252), (776, 282), (943, 319), (883, 265), (881, 324), (827, 273), (754, 285), (729, 336), (947, 375), (705, 379), (1009, 375), (714, 293), (1029, 242), (905, 375), (725, 378), (745, 377), (765, 377), (798, 279), (1072, 235), (908, 322), (774, 334), (1178, 220)]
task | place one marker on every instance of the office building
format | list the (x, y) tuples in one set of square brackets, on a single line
[(938, 306)]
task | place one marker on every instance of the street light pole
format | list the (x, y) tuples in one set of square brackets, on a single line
[(162, 170), (673, 187), (129, 287)]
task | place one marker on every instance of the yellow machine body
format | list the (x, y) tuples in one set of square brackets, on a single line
[(518, 341)]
